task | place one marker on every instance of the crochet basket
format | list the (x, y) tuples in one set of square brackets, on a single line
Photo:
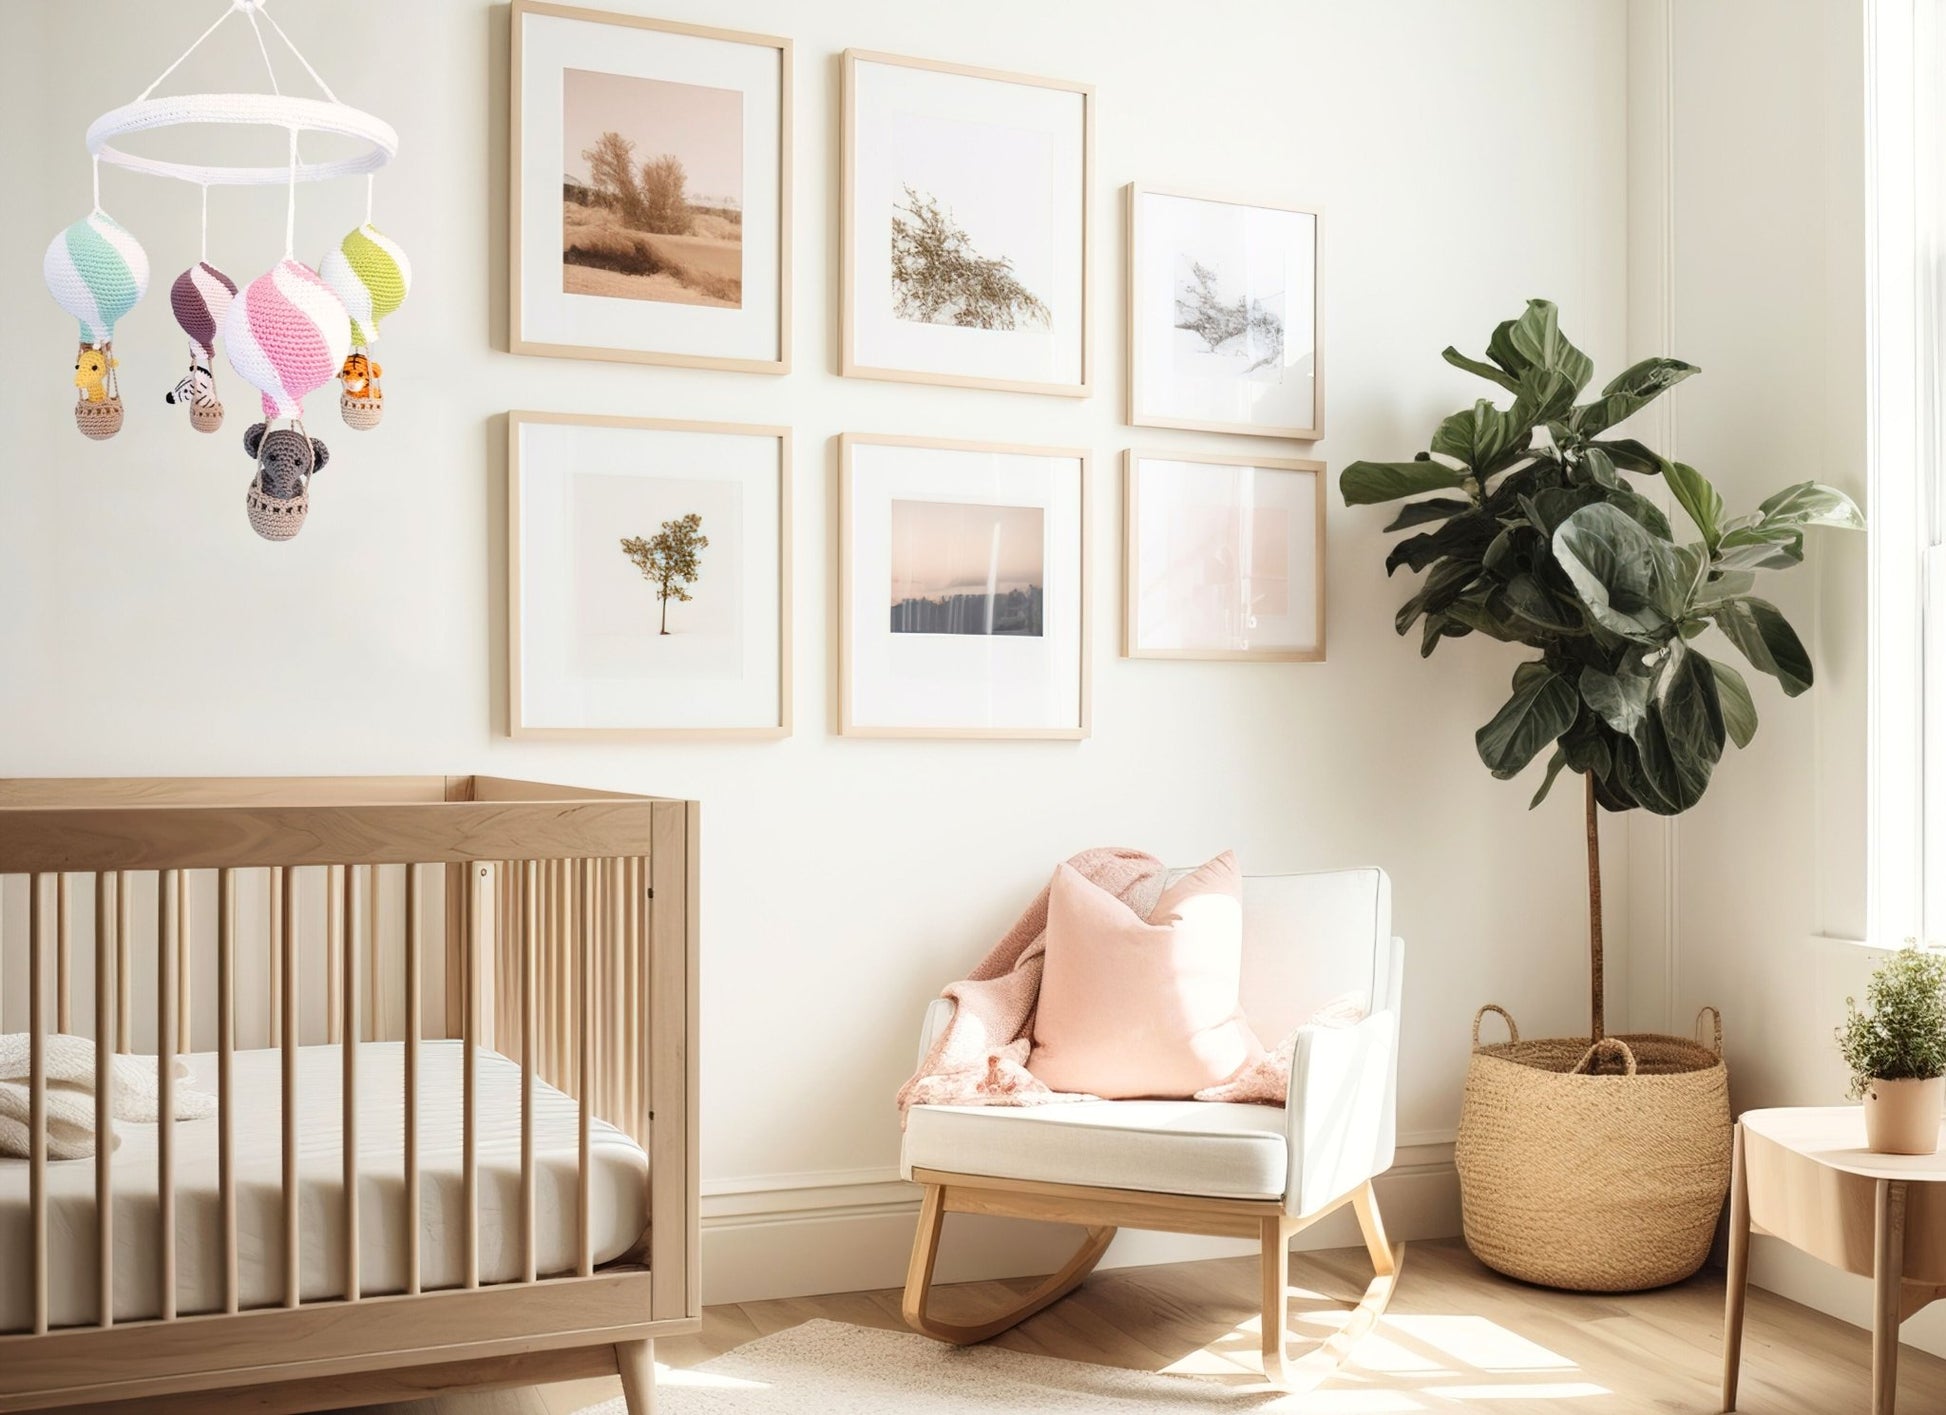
[(277, 517), (360, 413), (1594, 1168), (99, 421), (205, 417)]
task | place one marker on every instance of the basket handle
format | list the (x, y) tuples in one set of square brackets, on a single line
[(1607, 1046), (1513, 1032), (1716, 1023)]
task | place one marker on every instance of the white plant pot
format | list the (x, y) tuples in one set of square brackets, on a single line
[(1902, 1117)]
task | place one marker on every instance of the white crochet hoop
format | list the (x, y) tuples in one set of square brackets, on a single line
[(272, 110)]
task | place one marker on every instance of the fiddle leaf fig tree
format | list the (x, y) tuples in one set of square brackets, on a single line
[(1526, 528)]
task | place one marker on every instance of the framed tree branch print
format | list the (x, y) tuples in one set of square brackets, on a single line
[(965, 214), (651, 189), (1223, 327), (648, 578)]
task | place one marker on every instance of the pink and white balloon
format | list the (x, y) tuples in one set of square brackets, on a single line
[(287, 335)]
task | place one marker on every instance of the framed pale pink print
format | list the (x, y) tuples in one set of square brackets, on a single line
[(1224, 333), (1224, 558)]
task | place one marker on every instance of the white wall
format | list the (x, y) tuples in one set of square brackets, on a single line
[(1467, 156)]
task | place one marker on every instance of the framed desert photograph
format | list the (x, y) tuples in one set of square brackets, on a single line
[(1223, 325), (965, 222), (963, 587), (648, 578), (651, 191), (1224, 558)]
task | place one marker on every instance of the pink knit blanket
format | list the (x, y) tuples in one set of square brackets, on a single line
[(980, 1058)]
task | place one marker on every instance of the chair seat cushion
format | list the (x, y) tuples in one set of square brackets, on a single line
[(1173, 1147)]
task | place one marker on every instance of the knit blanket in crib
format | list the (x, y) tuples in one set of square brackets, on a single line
[(70, 1070)]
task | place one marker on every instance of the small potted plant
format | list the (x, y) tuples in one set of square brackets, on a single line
[(1897, 1052)]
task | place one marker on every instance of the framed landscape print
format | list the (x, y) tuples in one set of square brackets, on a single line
[(965, 226), (963, 589), (1224, 558), (648, 578), (651, 190), (1223, 327)]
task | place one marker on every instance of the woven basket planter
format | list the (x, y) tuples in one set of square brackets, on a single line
[(99, 421), (1594, 1168)]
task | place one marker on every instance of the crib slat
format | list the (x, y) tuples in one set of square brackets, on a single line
[(336, 910), (225, 1072), (277, 882), (286, 996), (37, 1091), (104, 1111), (373, 1017), (529, 1027), (124, 942), (470, 1154), (584, 1069), (185, 1014), (64, 953), (348, 1094), (168, 906), (414, 937)]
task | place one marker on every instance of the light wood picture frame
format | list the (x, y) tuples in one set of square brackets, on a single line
[(626, 285), (1021, 512), (1233, 567), (907, 167), (1217, 288), (547, 526)]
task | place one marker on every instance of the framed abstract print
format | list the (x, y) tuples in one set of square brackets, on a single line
[(648, 578), (963, 589), (1224, 558), (1223, 326), (965, 226), (651, 190)]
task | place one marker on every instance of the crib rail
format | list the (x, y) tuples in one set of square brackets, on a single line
[(286, 915)]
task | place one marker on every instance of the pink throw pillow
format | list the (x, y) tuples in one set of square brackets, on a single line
[(1132, 1007)]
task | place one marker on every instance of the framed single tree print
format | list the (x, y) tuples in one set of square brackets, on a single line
[(963, 589), (651, 190), (1223, 327), (648, 578), (965, 226)]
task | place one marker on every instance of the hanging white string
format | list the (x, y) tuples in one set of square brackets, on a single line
[(370, 180), (290, 205), (98, 211), (251, 15), (227, 11), (205, 255), (297, 53)]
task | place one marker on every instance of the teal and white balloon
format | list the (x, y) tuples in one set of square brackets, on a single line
[(96, 272)]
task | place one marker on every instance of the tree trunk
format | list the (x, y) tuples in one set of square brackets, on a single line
[(1596, 991), (665, 606)]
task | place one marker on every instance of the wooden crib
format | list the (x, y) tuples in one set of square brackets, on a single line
[(450, 1026)]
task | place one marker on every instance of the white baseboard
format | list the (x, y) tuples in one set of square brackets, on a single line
[(851, 1230)]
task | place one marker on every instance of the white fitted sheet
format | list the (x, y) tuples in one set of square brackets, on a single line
[(618, 1208)]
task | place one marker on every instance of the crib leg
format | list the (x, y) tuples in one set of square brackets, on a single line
[(636, 1361)]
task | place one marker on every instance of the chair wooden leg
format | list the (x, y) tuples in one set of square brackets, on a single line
[(636, 1361), (925, 1251), (1276, 1272), (1321, 1362)]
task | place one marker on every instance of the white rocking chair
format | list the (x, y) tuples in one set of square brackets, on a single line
[(1195, 1167)]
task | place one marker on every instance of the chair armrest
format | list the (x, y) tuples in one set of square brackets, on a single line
[(1341, 1113), (938, 1013)]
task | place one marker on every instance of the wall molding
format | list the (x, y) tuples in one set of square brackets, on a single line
[(796, 1235)]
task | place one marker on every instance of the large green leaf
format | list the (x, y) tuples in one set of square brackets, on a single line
[(1554, 765), (1628, 393), (1505, 379), (1739, 710), (1760, 547), (1697, 498), (1480, 437), (1621, 699), (1626, 577), (1762, 634), (1631, 455), (1435, 508), (1443, 584), (1542, 707), (1811, 504), (1536, 336), (1370, 483)]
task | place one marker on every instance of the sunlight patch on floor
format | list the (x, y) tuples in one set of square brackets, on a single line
[(674, 1378)]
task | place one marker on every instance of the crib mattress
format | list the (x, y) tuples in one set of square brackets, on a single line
[(618, 1206)]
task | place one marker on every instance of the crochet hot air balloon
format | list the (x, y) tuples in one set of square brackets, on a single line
[(200, 299), (96, 272), (286, 335), (371, 275)]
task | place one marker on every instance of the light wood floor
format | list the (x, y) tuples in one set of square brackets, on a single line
[(1456, 1338)]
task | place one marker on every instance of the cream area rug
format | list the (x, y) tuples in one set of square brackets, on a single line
[(834, 1368)]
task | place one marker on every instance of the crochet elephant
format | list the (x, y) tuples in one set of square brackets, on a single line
[(287, 456)]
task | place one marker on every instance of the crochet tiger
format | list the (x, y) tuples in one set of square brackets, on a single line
[(91, 374), (360, 376)]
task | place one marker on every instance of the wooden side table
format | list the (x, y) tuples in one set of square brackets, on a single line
[(1805, 1176)]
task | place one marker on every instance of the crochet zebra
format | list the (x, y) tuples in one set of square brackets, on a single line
[(197, 387)]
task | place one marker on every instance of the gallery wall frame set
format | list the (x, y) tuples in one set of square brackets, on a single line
[(619, 248), (963, 589), (1225, 331), (1223, 558), (965, 220), (648, 578)]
